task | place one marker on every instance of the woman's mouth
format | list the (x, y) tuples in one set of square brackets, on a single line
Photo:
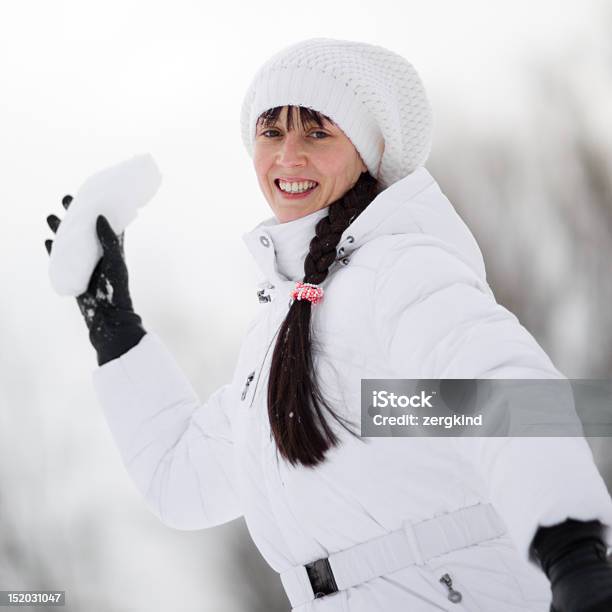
[(296, 193)]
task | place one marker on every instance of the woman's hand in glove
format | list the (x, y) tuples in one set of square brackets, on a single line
[(106, 305), (573, 556)]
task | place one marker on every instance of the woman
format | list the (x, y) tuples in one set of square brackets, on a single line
[(368, 273)]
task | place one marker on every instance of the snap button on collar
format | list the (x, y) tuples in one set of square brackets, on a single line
[(341, 250), (264, 240)]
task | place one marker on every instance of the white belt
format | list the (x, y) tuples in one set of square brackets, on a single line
[(413, 544)]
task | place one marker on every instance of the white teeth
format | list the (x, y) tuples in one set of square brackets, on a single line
[(296, 187)]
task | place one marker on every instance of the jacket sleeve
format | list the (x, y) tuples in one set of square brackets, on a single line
[(438, 319), (178, 453)]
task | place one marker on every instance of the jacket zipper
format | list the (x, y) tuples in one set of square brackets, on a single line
[(246, 386), (261, 368), (261, 294), (453, 595), (252, 374)]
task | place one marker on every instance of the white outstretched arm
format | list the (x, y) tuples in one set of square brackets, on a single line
[(179, 454)]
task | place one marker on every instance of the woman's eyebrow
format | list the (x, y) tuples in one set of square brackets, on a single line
[(314, 124)]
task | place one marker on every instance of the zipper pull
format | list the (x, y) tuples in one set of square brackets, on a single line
[(262, 297), (454, 596), (246, 386)]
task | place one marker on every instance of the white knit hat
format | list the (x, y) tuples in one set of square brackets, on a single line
[(374, 95)]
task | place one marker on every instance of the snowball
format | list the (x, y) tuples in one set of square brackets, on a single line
[(116, 192)]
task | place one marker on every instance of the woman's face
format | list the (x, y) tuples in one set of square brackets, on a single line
[(324, 155)]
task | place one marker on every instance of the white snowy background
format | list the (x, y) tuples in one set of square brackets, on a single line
[(522, 93)]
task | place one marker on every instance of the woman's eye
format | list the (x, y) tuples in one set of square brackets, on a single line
[(266, 131), (319, 132)]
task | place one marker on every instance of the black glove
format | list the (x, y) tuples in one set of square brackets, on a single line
[(114, 327), (572, 554)]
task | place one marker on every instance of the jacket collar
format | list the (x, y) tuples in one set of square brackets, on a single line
[(412, 205)]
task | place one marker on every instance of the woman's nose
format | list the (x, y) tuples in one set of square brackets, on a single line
[(291, 149)]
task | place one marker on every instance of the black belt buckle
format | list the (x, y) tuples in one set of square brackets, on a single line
[(321, 577)]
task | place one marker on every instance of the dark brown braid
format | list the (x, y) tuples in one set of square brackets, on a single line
[(322, 251), (295, 402)]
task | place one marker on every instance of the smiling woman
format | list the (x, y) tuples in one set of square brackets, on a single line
[(303, 168), (369, 273)]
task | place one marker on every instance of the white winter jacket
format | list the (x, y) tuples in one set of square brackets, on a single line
[(407, 298)]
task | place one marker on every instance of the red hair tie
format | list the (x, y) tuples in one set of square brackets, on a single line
[(307, 291)]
